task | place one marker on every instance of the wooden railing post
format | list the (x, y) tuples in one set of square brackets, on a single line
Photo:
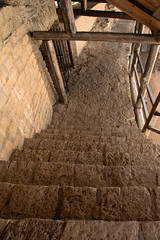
[(55, 71), (152, 57), (68, 16), (84, 5), (135, 49)]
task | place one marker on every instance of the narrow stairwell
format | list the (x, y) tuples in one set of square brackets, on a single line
[(91, 174)]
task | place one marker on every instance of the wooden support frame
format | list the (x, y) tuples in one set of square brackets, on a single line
[(55, 71), (84, 5), (137, 13), (68, 16), (96, 36), (98, 13), (153, 53), (135, 48), (151, 114)]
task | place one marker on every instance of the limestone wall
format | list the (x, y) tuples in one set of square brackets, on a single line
[(27, 93)]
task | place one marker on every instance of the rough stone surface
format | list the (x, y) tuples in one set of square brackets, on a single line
[(109, 202), (30, 155), (53, 174), (20, 172), (137, 204), (82, 230), (64, 157), (34, 201), (132, 176), (3, 169), (93, 176), (77, 203), (6, 191), (119, 176), (91, 157), (150, 230), (33, 229)]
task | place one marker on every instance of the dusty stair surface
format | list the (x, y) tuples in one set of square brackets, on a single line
[(92, 174), (72, 188)]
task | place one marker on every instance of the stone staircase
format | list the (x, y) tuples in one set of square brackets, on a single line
[(76, 182)]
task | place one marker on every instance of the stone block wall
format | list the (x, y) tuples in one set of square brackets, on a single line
[(27, 93)]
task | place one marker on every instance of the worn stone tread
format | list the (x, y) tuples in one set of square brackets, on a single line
[(117, 130), (79, 175), (78, 229), (113, 144), (81, 203), (72, 137), (67, 156), (48, 144), (110, 157)]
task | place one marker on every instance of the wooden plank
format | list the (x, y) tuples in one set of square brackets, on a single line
[(137, 14), (96, 36), (68, 16), (55, 71), (151, 113), (98, 13), (84, 5)]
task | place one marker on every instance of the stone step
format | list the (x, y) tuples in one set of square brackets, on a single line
[(72, 136), (78, 175), (79, 203), (57, 156), (112, 157), (49, 144), (128, 145), (78, 229), (114, 130), (116, 149), (82, 136)]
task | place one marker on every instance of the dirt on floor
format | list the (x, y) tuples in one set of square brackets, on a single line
[(99, 89), (99, 92)]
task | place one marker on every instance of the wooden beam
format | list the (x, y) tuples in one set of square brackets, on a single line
[(68, 16), (84, 5), (55, 71), (92, 1), (96, 36), (97, 13), (137, 14)]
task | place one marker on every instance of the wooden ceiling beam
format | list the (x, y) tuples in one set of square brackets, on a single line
[(156, 13), (137, 13), (94, 1), (98, 13), (96, 36)]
